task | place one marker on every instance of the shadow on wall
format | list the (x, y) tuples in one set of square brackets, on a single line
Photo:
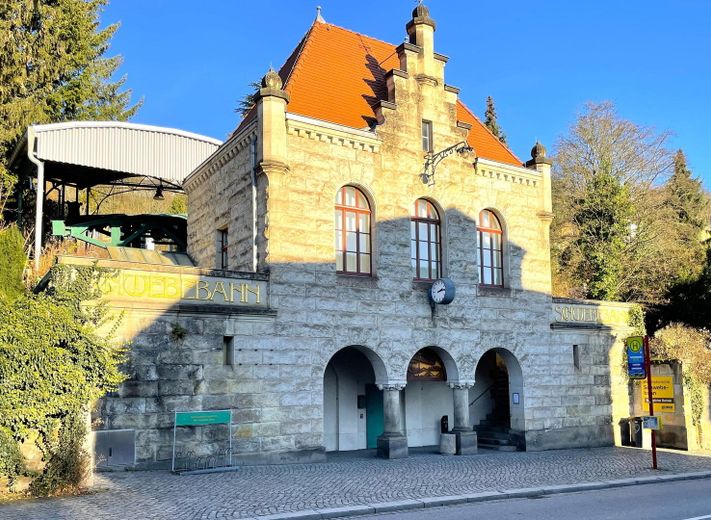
[(262, 351)]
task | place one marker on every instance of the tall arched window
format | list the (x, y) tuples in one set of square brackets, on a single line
[(491, 249), (425, 241), (353, 251)]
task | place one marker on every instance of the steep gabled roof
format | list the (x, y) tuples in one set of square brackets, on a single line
[(337, 75)]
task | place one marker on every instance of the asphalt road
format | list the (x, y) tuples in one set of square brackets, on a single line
[(685, 500)]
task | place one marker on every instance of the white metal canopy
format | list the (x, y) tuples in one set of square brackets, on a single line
[(83, 154)]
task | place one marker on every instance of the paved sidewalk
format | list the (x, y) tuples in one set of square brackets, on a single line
[(345, 480)]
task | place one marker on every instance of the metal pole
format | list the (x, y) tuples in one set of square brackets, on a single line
[(39, 194), (229, 429), (648, 371), (175, 420)]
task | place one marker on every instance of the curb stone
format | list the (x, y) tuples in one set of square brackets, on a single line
[(404, 505)]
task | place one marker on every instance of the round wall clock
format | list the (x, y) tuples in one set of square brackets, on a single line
[(442, 291)]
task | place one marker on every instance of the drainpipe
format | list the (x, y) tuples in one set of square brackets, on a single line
[(254, 204), (39, 198)]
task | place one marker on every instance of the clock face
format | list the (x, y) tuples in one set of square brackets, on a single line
[(442, 291), (438, 291)]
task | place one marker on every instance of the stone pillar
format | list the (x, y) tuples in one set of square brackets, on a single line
[(392, 444), (420, 31), (271, 104), (466, 437)]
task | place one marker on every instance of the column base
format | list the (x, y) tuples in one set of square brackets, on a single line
[(392, 447), (466, 443)]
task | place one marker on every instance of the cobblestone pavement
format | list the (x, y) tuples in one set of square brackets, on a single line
[(342, 481)]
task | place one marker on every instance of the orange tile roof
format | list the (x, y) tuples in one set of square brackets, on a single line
[(336, 75)]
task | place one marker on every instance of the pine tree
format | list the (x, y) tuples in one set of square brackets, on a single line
[(52, 68), (245, 104), (490, 120), (685, 195)]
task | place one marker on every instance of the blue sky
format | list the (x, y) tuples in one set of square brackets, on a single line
[(542, 61)]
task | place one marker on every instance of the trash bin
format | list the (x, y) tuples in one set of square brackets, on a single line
[(444, 424), (636, 431)]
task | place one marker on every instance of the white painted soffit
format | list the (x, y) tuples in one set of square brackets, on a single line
[(130, 148)]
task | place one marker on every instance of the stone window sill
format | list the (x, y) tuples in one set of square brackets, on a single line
[(493, 291)]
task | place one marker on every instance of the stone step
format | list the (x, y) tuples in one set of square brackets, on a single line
[(492, 434), (494, 440), (496, 447)]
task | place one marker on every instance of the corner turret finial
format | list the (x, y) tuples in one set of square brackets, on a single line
[(538, 156), (272, 80)]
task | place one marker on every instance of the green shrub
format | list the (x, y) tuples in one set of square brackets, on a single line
[(12, 265)]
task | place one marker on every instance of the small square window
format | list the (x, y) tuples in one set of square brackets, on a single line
[(427, 144)]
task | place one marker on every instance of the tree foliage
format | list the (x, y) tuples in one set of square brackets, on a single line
[(615, 235), (53, 68), (12, 266), (245, 104), (54, 362), (690, 346), (490, 120)]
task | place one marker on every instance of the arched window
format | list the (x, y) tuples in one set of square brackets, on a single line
[(353, 251), (491, 249), (425, 241)]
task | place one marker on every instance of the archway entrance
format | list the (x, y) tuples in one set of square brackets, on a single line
[(352, 403), (496, 401), (427, 398)]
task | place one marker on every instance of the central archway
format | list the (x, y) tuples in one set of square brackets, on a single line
[(352, 403), (428, 396)]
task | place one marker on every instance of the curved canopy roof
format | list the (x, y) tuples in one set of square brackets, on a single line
[(90, 153)]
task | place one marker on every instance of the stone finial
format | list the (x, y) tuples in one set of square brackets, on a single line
[(538, 150), (319, 18), (538, 156), (421, 15), (272, 85), (272, 80)]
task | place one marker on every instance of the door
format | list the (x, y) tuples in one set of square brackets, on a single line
[(375, 422)]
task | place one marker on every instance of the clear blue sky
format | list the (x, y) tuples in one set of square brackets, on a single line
[(541, 61)]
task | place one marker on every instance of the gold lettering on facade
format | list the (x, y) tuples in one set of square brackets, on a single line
[(220, 289), (203, 288), (254, 291)]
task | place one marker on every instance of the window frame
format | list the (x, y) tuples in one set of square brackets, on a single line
[(491, 251), (223, 248), (427, 133), (415, 237), (342, 248)]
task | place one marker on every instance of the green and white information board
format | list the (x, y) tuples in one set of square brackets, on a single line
[(202, 418)]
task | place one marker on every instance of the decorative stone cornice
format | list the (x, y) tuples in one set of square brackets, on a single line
[(331, 133), (235, 144), (391, 386), (424, 79), (454, 90), (507, 173), (269, 167), (461, 386)]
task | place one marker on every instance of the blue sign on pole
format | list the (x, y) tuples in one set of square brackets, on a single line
[(635, 357)]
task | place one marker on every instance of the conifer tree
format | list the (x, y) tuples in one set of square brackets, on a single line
[(490, 120), (53, 68), (685, 195)]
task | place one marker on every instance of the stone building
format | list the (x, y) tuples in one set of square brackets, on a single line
[(319, 230)]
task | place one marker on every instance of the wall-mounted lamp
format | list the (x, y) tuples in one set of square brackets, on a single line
[(433, 159)]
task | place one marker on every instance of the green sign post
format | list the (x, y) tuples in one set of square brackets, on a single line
[(203, 418)]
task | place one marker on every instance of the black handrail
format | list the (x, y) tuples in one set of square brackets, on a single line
[(481, 394)]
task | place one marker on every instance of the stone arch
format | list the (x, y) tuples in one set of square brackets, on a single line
[(376, 362), (352, 398), (450, 364), (514, 393)]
